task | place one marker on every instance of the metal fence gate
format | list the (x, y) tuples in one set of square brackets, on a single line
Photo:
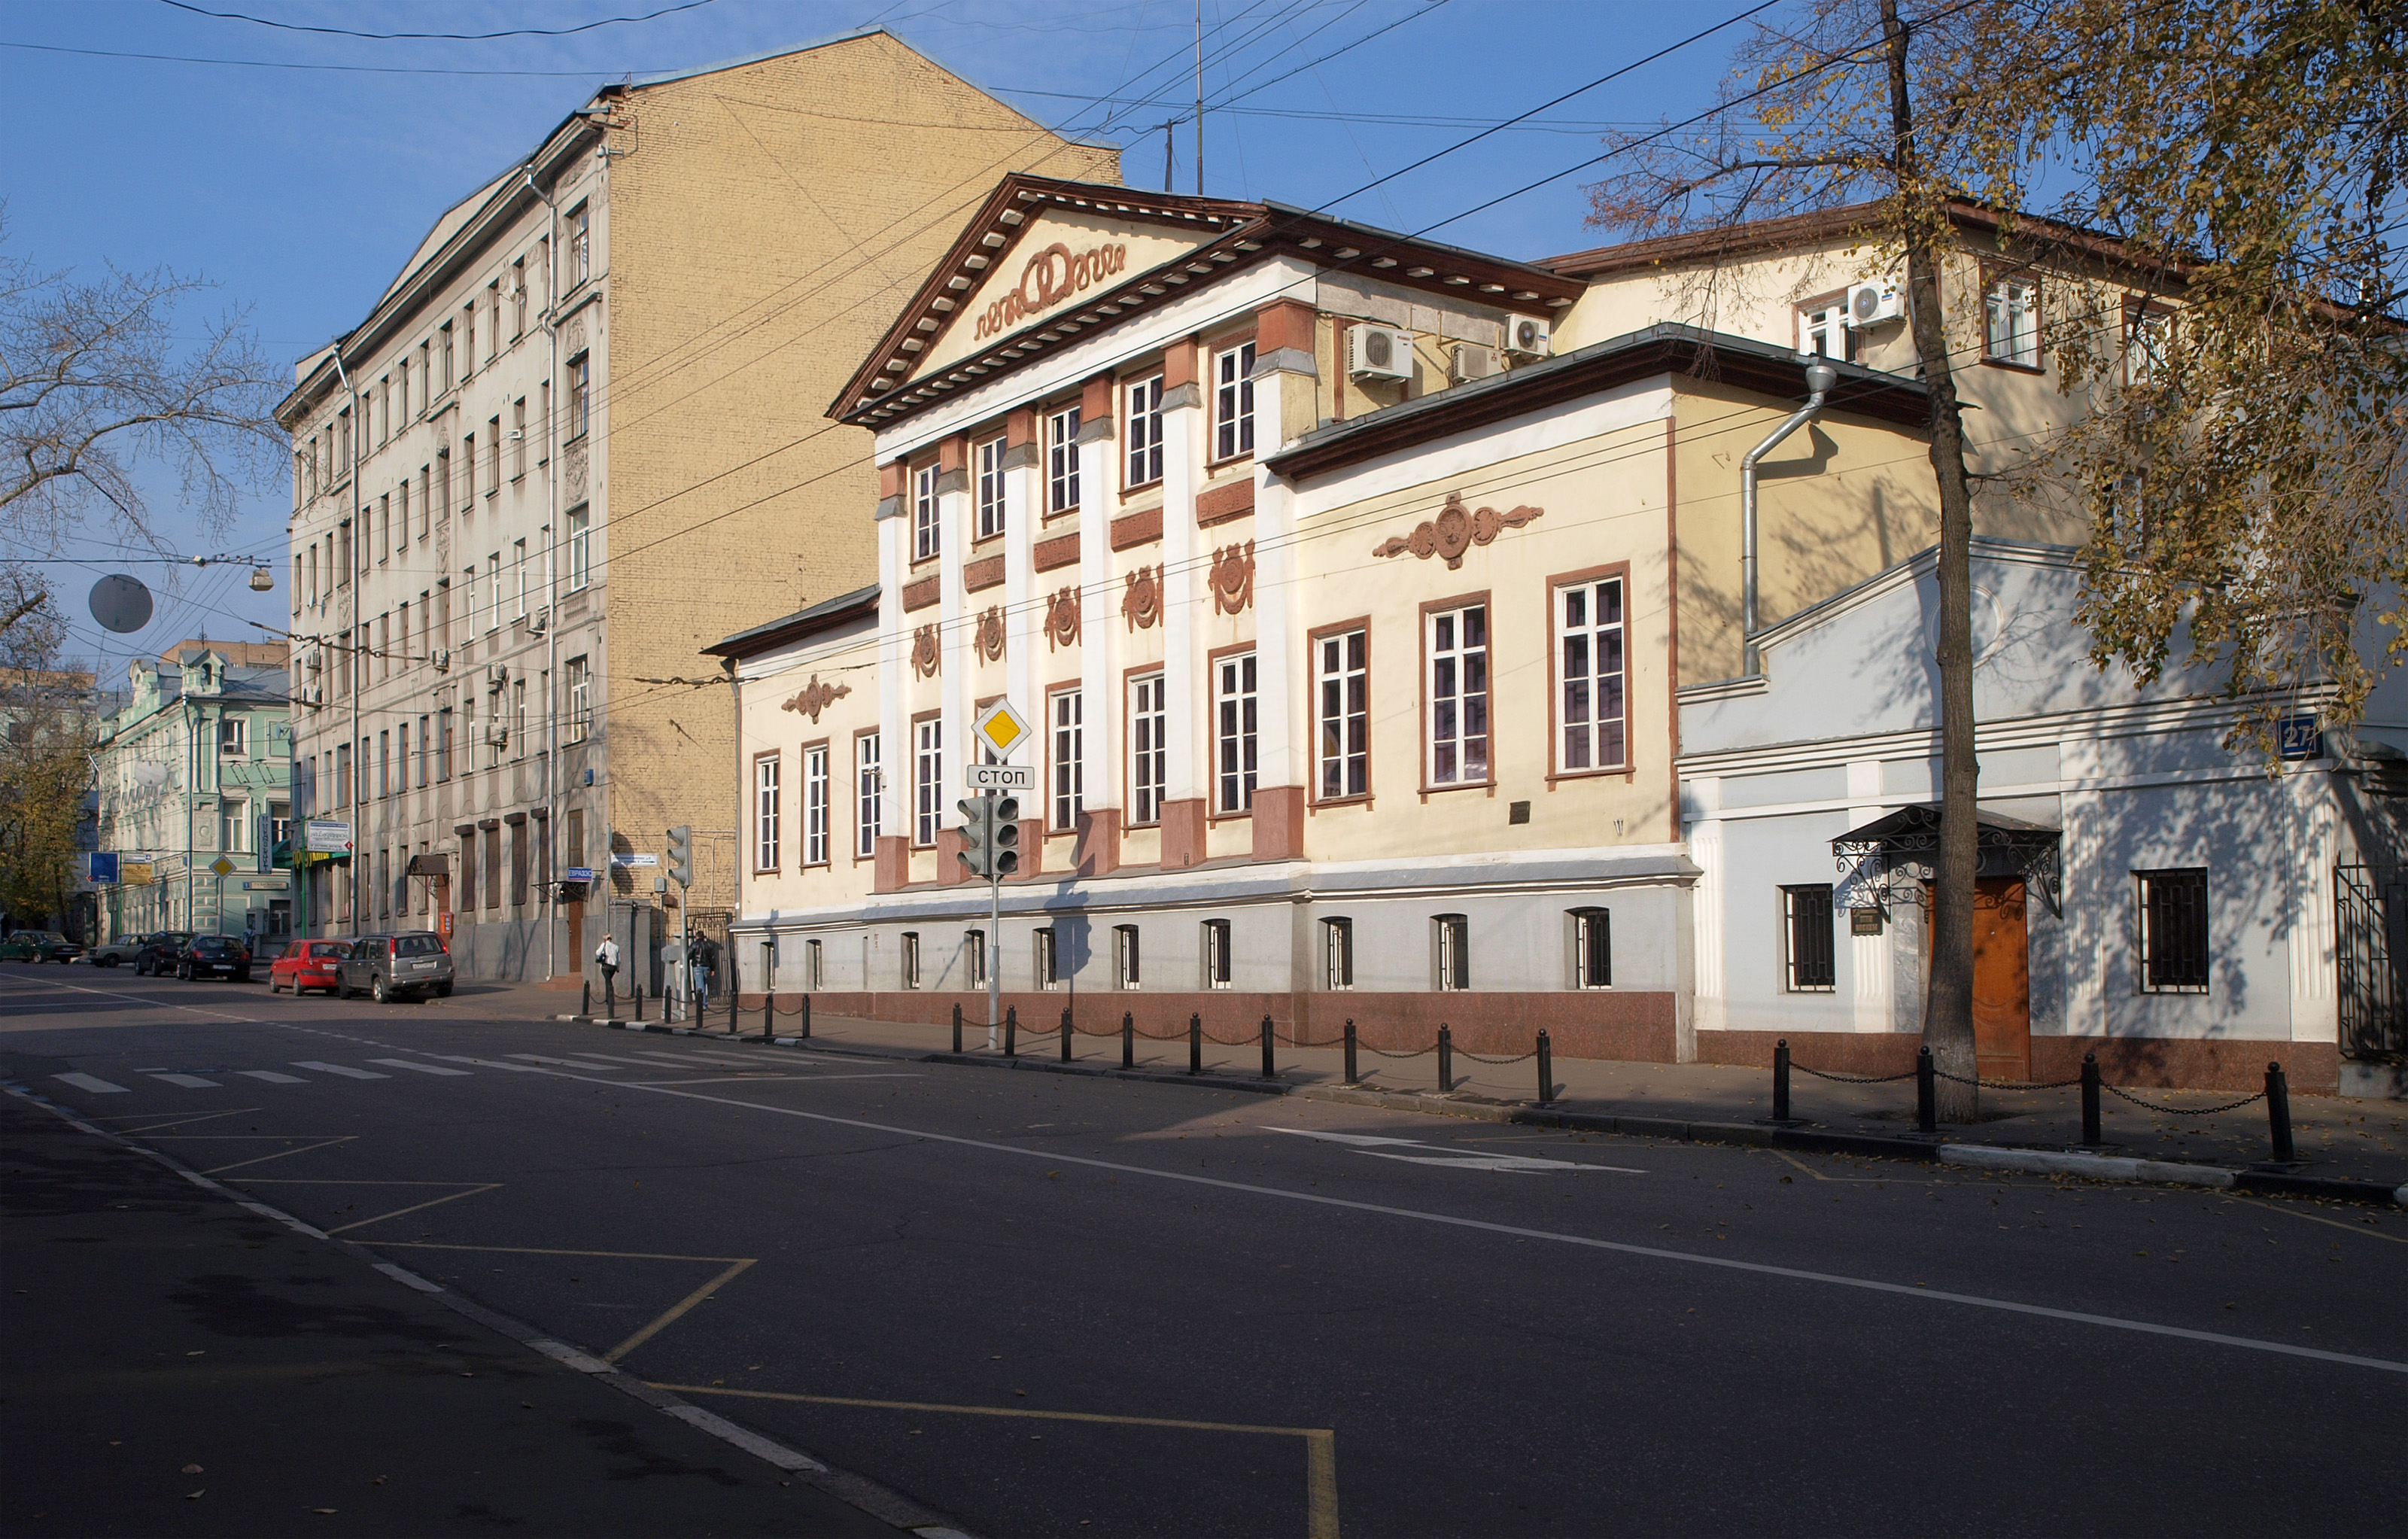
[(2372, 932)]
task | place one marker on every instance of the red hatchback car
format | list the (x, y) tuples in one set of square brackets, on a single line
[(307, 965)]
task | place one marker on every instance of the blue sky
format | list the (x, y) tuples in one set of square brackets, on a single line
[(300, 190)]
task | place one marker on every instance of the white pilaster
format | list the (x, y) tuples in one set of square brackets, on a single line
[(893, 660), (1100, 613), (1183, 615), (1869, 956)]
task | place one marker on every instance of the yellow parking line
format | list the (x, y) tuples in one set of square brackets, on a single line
[(675, 1310), (732, 1265), (219, 1170), (1321, 1442), (415, 1207)]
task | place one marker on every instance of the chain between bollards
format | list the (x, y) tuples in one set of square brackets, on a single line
[(1270, 1071), (1546, 1068), (1445, 1059), (1128, 1039), (1011, 1032), (1196, 1043), (1350, 1050), (1066, 1033), (2092, 1136), (1927, 1092)]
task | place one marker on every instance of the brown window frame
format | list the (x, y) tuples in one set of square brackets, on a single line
[(1312, 639), (1629, 768), (1995, 273), (1484, 598)]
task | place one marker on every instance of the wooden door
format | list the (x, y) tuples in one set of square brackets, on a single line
[(2002, 980)]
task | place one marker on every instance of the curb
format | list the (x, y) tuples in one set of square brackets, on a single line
[(1987, 1156), (868, 1495)]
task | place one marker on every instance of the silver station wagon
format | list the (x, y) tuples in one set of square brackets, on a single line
[(410, 965)]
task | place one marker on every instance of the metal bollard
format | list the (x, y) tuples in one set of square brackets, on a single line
[(1196, 1044), (957, 1029), (1546, 1068), (586, 998), (1445, 1058), (610, 999), (1011, 1032), (805, 1031), (2091, 1135), (2278, 1115), (1781, 1080), (1129, 1040), (1066, 1033), (1927, 1092), (639, 1003), (1350, 1050), (1270, 1071), (770, 1016)]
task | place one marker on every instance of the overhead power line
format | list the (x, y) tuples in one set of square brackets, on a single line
[(433, 36)]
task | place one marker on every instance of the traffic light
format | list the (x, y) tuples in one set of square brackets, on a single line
[(990, 835), (681, 855)]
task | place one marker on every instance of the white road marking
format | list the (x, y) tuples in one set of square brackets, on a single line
[(1518, 1231), (414, 1064), (87, 1082), (568, 1063), (190, 1082), (1522, 1164), (271, 1077), (488, 1063), (339, 1068)]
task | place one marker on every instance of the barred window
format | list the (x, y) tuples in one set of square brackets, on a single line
[(2174, 930), (1592, 948), (1806, 914), (1452, 934), (1216, 954)]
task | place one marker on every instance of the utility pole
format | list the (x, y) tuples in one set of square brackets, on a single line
[(682, 872), (1199, 98), (1169, 144)]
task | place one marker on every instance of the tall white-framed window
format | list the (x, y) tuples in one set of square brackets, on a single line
[(580, 547), (927, 779), (764, 813), (1234, 744), (1591, 938), (910, 952), (234, 737), (1126, 972), (1338, 952), (1455, 646), (581, 395), (1342, 703), (1592, 731), (869, 782), (1233, 401), (1062, 460), (1141, 431), (987, 461), (493, 587), (1149, 760), (519, 717), (580, 245), (518, 299), (928, 534), (1067, 711), (1217, 969), (2011, 322), (1045, 959), (973, 959), (1451, 946), (1822, 329), (2147, 333), (580, 698), (519, 562), (233, 824), (815, 805)]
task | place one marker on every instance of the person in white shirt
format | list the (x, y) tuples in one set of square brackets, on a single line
[(606, 954)]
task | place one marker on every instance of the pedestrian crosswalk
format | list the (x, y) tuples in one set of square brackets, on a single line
[(525, 1063)]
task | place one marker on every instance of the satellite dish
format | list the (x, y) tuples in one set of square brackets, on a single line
[(120, 603), (147, 773)]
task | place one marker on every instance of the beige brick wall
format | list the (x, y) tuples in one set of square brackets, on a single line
[(767, 224)]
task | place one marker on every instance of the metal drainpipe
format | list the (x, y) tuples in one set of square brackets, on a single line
[(351, 663), (1820, 377), (550, 586)]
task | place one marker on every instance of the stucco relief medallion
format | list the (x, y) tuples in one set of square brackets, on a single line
[(815, 698), (1141, 603), (1062, 618), (572, 473), (1456, 530), (989, 639), (572, 341), (925, 659), (1233, 577)]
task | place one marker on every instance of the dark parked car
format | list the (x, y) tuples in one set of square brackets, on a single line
[(36, 945), (159, 954), (215, 956), (410, 965)]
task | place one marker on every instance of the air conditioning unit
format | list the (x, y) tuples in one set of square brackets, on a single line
[(442, 659), (1870, 304), (314, 694), (315, 659), (1379, 352), (1472, 362), (538, 621), (1528, 337), (498, 734), (496, 675)]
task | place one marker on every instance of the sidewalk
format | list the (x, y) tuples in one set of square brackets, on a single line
[(2341, 1140), (176, 1364)]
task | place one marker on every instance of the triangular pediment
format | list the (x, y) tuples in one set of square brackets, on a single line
[(1050, 262)]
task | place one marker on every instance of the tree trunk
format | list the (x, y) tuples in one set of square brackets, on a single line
[(1948, 1004)]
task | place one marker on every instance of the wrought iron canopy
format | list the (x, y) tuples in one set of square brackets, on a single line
[(1905, 844)]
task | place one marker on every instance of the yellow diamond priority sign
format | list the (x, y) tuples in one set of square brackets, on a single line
[(221, 866), (1001, 729)]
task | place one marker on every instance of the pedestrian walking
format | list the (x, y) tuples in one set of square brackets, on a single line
[(607, 956), (706, 962)]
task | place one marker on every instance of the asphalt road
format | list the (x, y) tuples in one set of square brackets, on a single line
[(1046, 1305)]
